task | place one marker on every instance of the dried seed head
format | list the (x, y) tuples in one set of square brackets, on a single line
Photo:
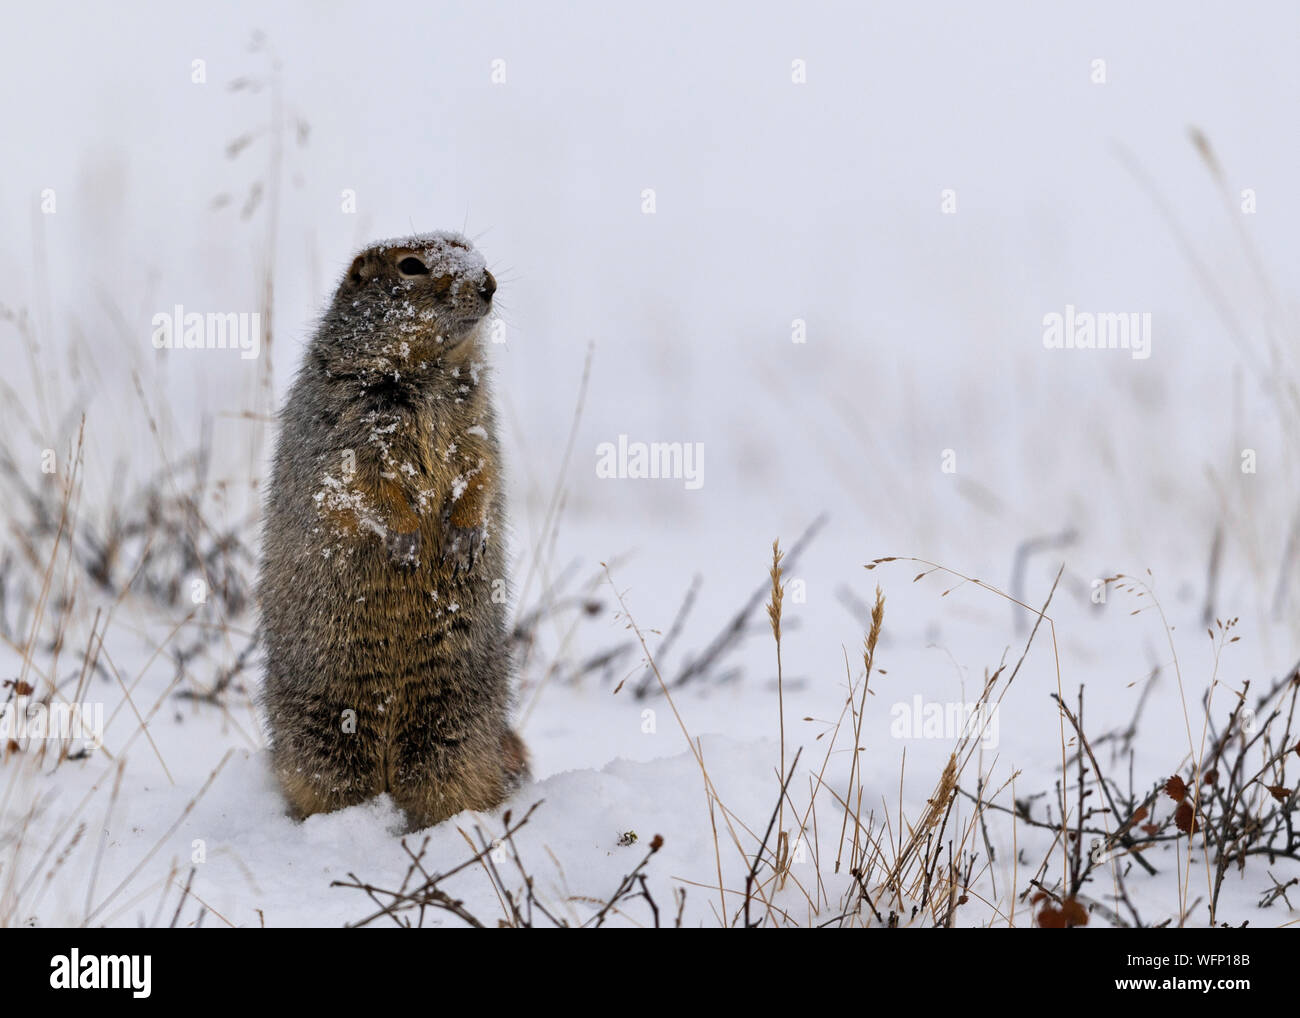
[(873, 635), (778, 591)]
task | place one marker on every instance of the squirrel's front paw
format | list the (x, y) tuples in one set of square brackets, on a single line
[(462, 546), (404, 549)]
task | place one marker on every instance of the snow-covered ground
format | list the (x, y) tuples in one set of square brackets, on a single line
[(820, 241)]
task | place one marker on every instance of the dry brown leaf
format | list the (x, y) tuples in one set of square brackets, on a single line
[(1185, 820), (1074, 913)]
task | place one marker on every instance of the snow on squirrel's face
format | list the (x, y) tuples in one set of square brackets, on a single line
[(429, 280)]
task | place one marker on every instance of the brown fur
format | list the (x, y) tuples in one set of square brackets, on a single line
[(383, 581)]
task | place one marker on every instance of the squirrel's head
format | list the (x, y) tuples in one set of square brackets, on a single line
[(428, 286)]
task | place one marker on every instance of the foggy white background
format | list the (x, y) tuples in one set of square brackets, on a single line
[(775, 201)]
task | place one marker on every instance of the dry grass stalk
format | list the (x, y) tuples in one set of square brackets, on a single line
[(774, 617)]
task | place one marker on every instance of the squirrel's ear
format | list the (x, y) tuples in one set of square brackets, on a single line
[(362, 271)]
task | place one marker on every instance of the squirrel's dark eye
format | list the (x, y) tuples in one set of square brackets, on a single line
[(412, 267)]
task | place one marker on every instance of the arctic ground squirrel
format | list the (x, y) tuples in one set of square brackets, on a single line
[(382, 587)]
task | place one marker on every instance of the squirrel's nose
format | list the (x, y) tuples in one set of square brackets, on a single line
[(488, 286)]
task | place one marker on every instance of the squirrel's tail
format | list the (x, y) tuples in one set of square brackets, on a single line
[(514, 754)]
